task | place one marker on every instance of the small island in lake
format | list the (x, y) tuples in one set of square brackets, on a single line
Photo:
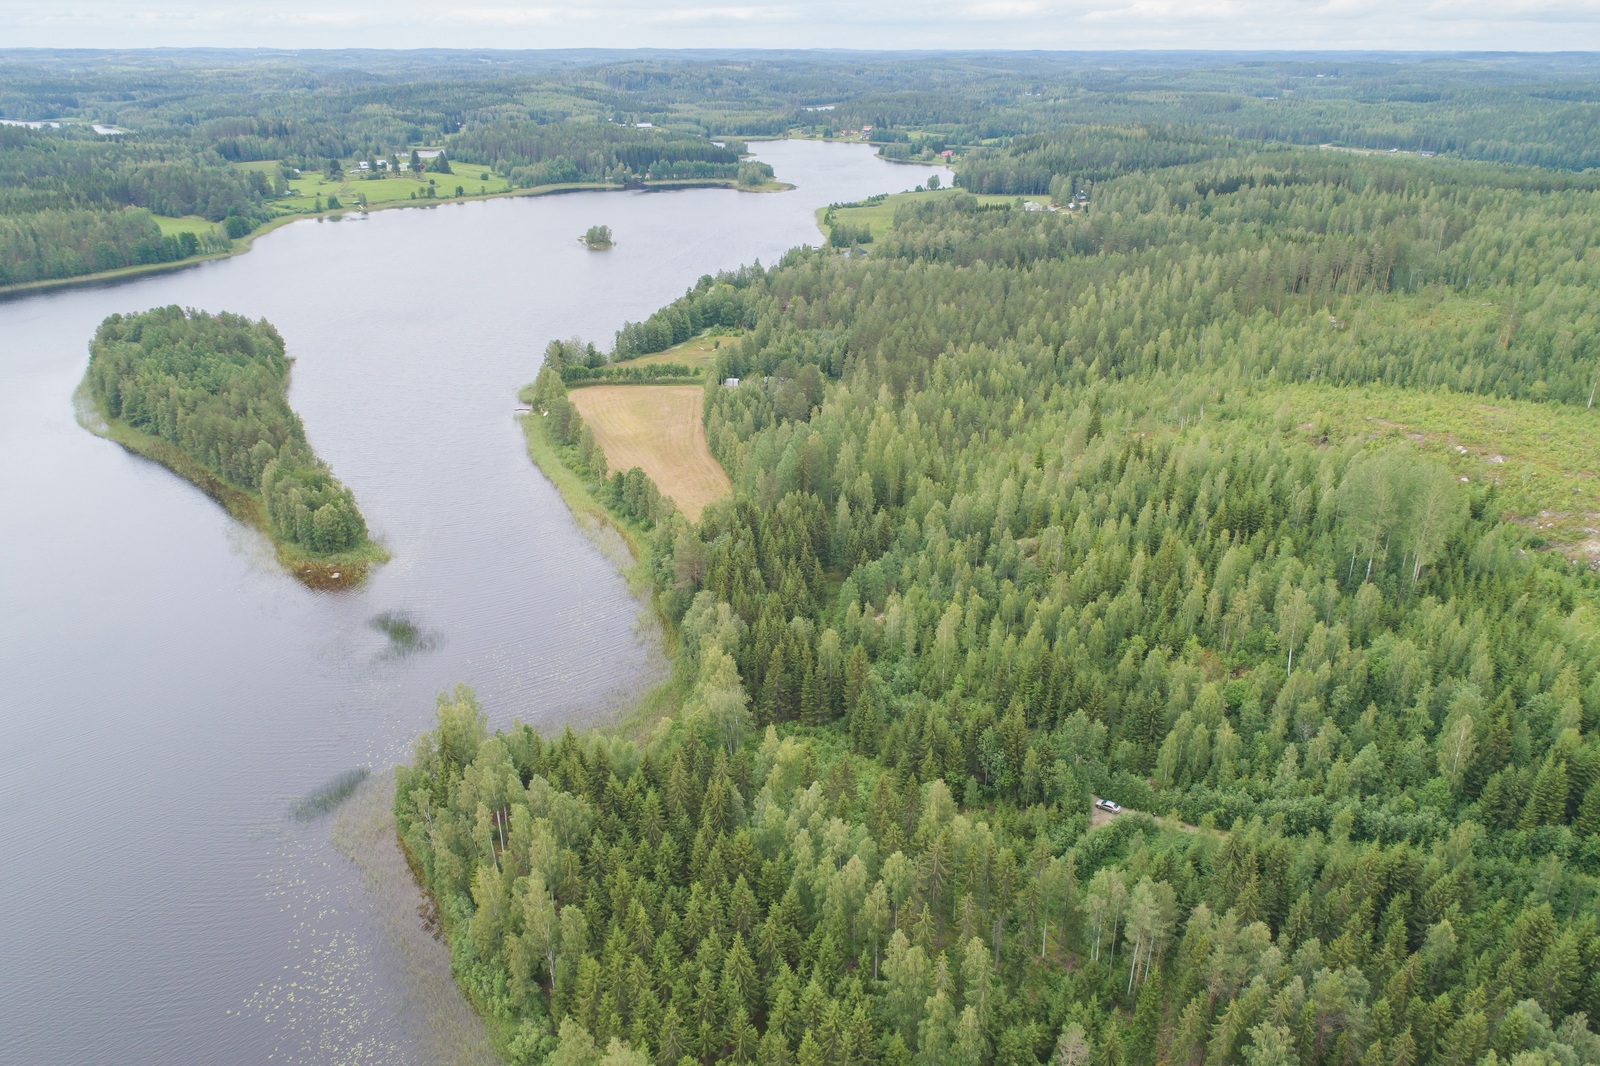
[(207, 396), (598, 237)]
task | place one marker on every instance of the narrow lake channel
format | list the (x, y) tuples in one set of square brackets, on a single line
[(169, 698)]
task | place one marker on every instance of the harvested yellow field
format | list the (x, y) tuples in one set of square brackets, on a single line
[(656, 428)]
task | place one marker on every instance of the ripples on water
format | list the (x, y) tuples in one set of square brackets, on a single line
[(170, 693)]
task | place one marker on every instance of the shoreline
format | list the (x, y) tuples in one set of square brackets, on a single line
[(320, 574), (372, 839), (243, 244), (448, 1025), (591, 516), (636, 714), (627, 549)]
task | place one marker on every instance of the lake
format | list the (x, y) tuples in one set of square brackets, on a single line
[(171, 696)]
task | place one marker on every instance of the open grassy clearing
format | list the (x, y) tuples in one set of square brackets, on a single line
[(1545, 458), (475, 179), (696, 351), (171, 227), (658, 429), (879, 217), (380, 191), (390, 190)]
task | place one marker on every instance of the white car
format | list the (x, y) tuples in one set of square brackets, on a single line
[(1108, 806)]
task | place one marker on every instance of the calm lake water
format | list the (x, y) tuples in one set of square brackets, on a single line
[(169, 695)]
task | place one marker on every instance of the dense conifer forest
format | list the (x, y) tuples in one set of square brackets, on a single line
[(216, 388), (1034, 507)]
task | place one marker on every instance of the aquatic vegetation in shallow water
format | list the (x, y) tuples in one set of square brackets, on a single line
[(329, 795), (406, 637)]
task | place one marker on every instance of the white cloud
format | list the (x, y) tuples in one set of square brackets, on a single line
[(1554, 11), (1349, 8), (966, 24), (723, 14), (320, 19), (515, 16), (1168, 12), (1010, 9)]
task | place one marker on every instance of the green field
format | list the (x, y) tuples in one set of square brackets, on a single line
[(390, 190), (696, 351), (475, 180), (380, 191), (879, 217), (171, 227)]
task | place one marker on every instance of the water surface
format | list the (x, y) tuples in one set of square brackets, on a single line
[(170, 698)]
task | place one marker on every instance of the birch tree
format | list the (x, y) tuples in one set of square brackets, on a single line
[(1072, 1047), (1104, 903), (1435, 509)]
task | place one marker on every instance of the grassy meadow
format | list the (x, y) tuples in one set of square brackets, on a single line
[(171, 227), (879, 217), (696, 351), (402, 188)]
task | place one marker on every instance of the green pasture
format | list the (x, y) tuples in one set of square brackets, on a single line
[(171, 227), (879, 217), (400, 188), (699, 351)]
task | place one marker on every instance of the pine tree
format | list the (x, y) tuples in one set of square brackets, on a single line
[(1587, 823), (773, 1050), (1548, 803), (810, 1053)]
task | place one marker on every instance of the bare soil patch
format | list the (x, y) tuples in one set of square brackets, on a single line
[(1098, 817), (658, 429)]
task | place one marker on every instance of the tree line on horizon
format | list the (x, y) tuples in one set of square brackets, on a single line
[(73, 203)]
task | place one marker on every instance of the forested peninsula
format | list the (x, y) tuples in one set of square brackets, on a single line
[(1247, 491), (207, 396)]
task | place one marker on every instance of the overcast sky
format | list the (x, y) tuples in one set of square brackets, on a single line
[(1539, 25)]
